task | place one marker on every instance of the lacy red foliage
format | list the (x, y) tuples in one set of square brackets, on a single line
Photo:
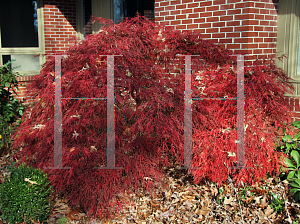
[(149, 113)]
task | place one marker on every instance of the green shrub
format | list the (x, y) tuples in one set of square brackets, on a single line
[(10, 107), (25, 195), (291, 147)]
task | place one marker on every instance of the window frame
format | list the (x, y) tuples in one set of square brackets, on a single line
[(287, 39), (29, 50)]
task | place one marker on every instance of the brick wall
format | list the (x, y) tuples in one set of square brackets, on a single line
[(247, 27), (60, 24)]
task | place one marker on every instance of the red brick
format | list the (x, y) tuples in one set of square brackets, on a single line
[(250, 22), (199, 9), (258, 40), (245, 16), (187, 1), (264, 11), (250, 34), (212, 19), (226, 29), (218, 35), (169, 17), (268, 17), (207, 36), (231, 6), (181, 6), (258, 28), (220, 24), (214, 41), (180, 27), (192, 26), (177, 2), (186, 11), (175, 12), (234, 12), (250, 46), (179, 17), (226, 40), (233, 35), (164, 3), (175, 22), (166, 13), (269, 29), (219, 2), (201, 20), (259, 17), (233, 23), (233, 46), (273, 23), (193, 5), (243, 28), (259, 5), (212, 8), (205, 14), (187, 21), (170, 8), (219, 13), (268, 39), (244, 5), (272, 45), (157, 4), (205, 3), (243, 40), (263, 34), (160, 18), (267, 51), (160, 9), (205, 25), (165, 23), (272, 34), (251, 10), (195, 15), (226, 18), (212, 30), (257, 51), (263, 45), (248, 51), (233, 1)]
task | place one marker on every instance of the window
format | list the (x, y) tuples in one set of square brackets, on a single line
[(288, 40), (116, 10), (21, 35)]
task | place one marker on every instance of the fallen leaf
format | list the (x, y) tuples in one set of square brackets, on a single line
[(203, 211), (31, 182)]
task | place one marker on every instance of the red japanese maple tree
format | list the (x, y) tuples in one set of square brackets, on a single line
[(149, 113)]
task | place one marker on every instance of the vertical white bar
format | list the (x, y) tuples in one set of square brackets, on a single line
[(110, 150), (58, 117), (240, 113), (188, 114)]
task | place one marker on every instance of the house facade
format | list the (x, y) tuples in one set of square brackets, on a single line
[(258, 28)]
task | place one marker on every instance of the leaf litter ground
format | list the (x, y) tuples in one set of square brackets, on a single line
[(178, 200)]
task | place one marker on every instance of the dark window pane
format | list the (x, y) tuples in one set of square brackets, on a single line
[(5, 59), (18, 21), (87, 13)]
